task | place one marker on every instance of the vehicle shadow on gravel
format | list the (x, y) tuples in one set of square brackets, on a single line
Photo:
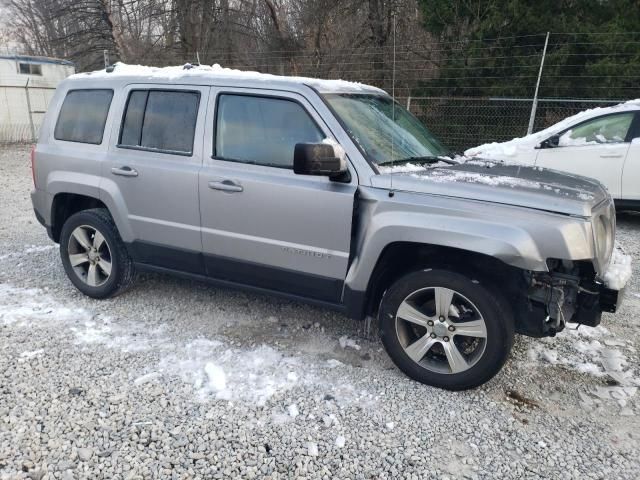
[(250, 319), (628, 218)]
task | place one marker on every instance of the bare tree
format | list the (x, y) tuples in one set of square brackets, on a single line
[(326, 38)]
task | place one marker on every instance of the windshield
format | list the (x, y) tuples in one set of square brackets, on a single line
[(385, 136)]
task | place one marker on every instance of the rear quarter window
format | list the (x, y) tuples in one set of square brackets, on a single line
[(83, 116)]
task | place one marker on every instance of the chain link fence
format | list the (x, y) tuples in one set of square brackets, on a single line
[(464, 122), (470, 92), (486, 96)]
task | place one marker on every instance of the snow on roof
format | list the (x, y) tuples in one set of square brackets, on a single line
[(512, 148), (176, 73)]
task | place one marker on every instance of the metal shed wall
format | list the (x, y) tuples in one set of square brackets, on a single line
[(24, 98)]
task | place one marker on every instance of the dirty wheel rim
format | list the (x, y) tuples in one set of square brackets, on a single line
[(441, 330), (89, 255)]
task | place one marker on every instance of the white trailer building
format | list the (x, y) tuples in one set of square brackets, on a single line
[(26, 87)]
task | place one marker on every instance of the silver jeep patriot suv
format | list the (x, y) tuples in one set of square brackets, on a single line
[(323, 191)]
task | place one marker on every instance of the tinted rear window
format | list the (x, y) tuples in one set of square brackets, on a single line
[(83, 116), (160, 120)]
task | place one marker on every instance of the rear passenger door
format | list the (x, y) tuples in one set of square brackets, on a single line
[(262, 224), (152, 172)]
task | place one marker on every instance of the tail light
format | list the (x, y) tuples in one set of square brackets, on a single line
[(33, 165)]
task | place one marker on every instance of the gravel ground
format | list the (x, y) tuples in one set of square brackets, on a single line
[(177, 379)]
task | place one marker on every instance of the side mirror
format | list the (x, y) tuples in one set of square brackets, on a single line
[(551, 142), (325, 159)]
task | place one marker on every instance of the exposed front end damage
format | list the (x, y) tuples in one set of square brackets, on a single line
[(568, 292)]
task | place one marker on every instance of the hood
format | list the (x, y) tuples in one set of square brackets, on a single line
[(531, 187)]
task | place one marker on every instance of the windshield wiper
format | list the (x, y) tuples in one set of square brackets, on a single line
[(422, 159)]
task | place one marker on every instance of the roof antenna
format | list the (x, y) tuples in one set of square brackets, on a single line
[(393, 98), (107, 64), (198, 58)]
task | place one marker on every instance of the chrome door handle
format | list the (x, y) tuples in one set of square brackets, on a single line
[(610, 155), (125, 172), (226, 186)]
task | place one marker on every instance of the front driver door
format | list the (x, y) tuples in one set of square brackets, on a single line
[(596, 148), (262, 224)]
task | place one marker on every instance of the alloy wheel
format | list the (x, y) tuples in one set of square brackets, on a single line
[(441, 330), (89, 255)]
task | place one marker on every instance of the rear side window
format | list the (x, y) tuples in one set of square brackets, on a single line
[(262, 130), (160, 120), (83, 116)]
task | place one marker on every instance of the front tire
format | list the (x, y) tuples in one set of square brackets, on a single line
[(94, 256), (446, 330)]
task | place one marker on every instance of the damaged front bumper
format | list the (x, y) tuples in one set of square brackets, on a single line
[(610, 299), (590, 305), (572, 292)]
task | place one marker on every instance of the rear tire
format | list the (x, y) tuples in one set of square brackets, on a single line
[(94, 256), (445, 329)]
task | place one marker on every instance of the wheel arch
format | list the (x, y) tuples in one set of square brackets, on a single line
[(402, 257), (72, 198), (65, 204)]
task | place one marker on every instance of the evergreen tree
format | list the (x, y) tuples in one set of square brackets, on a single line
[(493, 47)]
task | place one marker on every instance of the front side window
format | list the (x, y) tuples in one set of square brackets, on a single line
[(383, 130), (160, 120), (608, 129), (83, 116), (262, 130)]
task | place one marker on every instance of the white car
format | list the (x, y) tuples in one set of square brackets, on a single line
[(602, 143)]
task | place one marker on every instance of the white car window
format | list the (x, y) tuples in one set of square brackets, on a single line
[(608, 129)]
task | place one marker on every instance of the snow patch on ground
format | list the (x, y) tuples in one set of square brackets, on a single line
[(28, 250), (312, 449), (217, 378), (346, 342), (211, 367), (619, 271), (32, 354), (31, 307), (39, 248), (587, 350), (149, 377), (215, 369), (126, 337)]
